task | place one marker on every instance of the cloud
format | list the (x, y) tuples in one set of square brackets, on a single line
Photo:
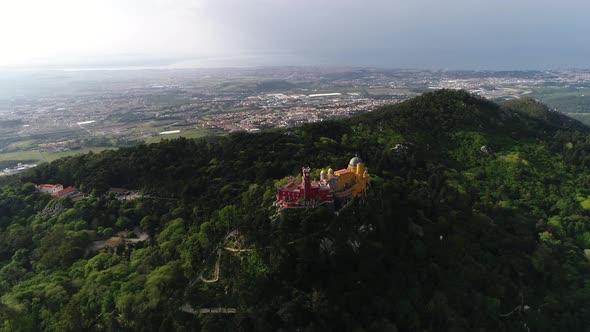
[(372, 32)]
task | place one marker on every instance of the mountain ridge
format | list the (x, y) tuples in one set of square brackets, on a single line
[(477, 218)]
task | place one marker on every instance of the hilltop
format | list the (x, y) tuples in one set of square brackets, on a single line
[(477, 217)]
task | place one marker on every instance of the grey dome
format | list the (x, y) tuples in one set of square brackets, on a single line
[(354, 161)]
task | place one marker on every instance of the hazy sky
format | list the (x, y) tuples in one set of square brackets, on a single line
[(498, 34)]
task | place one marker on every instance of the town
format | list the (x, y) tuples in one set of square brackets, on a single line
[(53, 114)]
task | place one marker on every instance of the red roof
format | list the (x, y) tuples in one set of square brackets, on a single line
[(316, 184), (290, 185), (48, 186), (119, 190), (66, 191)]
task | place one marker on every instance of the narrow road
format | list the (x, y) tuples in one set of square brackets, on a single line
[(216, 273), (237, 250), (141, 236), (96, 246), (190, 310)]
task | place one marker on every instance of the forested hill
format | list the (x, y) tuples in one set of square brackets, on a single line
[(478, 218)]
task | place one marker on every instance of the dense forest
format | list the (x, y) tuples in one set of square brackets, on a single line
[(478, 218)]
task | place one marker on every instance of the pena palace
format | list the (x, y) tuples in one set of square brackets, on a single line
[(333, 187)]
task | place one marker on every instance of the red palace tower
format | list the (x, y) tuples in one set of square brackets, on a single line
[(306, 193)]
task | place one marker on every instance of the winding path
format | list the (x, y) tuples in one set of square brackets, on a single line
[(190, 310), (216, 273), (98, 245)]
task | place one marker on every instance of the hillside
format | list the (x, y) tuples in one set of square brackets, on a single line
[(478, 218)]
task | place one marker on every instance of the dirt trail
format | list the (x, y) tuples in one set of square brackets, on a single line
[(216, 273)]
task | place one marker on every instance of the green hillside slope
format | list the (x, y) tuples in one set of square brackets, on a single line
[(478, 218)]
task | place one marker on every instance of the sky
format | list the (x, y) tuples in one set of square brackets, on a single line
[(430, 34)]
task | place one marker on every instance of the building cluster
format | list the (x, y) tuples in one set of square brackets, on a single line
[(20, 167), (290, 115), (334, 187), (123, 194), (58, 191)]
